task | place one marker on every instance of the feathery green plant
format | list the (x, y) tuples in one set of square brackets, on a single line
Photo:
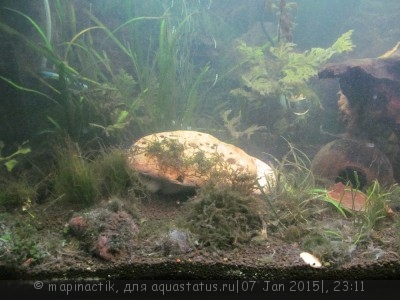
[(272, 71)]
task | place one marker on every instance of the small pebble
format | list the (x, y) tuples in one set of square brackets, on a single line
[(311, 260)]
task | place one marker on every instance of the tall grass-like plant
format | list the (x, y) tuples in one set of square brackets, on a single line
[(86, 100), (59, 93), (127, 49), (115, 176), (377, 202), (76, 97), (321, 194), (75, 181), (168, 83), (290, 195)]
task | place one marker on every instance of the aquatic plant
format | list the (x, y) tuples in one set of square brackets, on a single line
[(371, 212), (377, 204), (290, 195), (280, 70), (90, 94), (225, 217), (75, 182), (79, 105), (167, 83), (285, 25), (16, 192), (297, 212), (10, 161), (233, 123), (275, 80), (25, 245), (322, 194), (66, 111), (83, 178), (356, 228), (115, 177)]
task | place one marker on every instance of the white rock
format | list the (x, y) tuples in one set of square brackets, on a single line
[(311, 260)]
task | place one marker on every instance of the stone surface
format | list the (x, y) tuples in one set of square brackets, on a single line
[(181, 160), (175, 242), (109, 235)]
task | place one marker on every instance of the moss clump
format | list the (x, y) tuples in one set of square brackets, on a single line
[(169, 152), (223, 217), (15, 192)]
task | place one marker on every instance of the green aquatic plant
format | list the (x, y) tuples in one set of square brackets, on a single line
[(322, 194), (177, 77), (299, 211), (290, 195), (75, 182), (115, 177), (377, 204), (25, 245), (276, 79), (159, 87), (66, 110), (17, 192), (10, 160), (357, 228), (79, 106), (85, 178), (273, 71), (121, 122), (172, 154), (298, 68), (224, 217), (126, 48), (169, 152)]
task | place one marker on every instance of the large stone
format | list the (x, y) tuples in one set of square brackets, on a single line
[(177, 161)]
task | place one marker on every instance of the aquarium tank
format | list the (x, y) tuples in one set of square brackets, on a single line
[(199, 139)]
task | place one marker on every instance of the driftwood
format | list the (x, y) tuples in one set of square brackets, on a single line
[(369, 100)]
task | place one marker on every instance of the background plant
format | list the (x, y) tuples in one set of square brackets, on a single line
[(9, 161), (278, 73), (75, 182), (94, 92), (271, 79)]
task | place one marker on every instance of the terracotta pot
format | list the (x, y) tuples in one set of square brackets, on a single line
[(351, 161)]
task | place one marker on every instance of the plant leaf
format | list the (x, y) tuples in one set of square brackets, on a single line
[(10, 164)]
